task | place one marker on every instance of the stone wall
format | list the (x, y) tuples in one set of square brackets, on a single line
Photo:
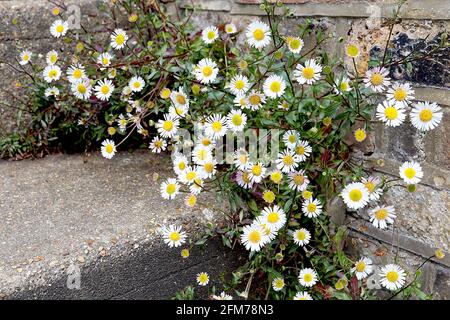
[(423, 222)]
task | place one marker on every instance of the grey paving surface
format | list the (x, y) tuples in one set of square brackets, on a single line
[(101, 216)]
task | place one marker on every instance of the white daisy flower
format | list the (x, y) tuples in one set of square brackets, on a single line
[(104, 89), (59, 28), (230, 28), (400, 94), (82, 89), (255, 100), (382, 216), (25, 57), (373, 186), (392, 277), (312, 208), (241, 101), (298, 181), (112, 73), (180, 163), (239, 85), (197, 186), (75, 73), (257, 172), (206, 71), (169, 188), (189, 175), (222, 296), (295, 44), (168, 126), (307, 277), (52, 91), (269, 233), (274, 86), (273, 218), (309, 73), (104, 59), (291, 138), (391, 114), (216, 126), (287, 161), (355, 195), (108, 149), (179, 98), (173, 236), (122, 122), (258, 34), (253, 237), (201, 153), (51, 73), (303, 295), (284, 105), (205, 141), (208, 168), (343, 85), (236, 121), (301, 236), (426, 116), (118, 39), (241, 159), (278, 284), (178, 112), (411, 172), (51, 58), (303, 150), (210, 34), (377, 79), (363, 267), (157, 145), (202, 279), (136, 84), (243, 179)]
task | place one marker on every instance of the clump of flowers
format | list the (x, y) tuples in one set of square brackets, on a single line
[(180, 89)]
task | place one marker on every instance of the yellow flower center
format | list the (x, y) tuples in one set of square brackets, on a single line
[(360, 266), (400, 94), (425, 115), (344, 86), (246, 177), (105, 89), (355, 195), (301, 235), (288, 160), (276, 177), (120, 39), (203, 277), (381, 214), (109, 148), (77, 73), (52, 74), (26, 57), (202, 154), (254, 236), (171, 188), (392, 276), (257, 170), (60, 28), (376, 79), (391, 113), (370, 186), (165, 93), (174, 236), (300, 150), (137, 84), (312, 207), (294, 44), (181, 99), (81, 88), (217, 126), (258, 34), (269, 196), (237, 120), (192, 200), (207, 71), (308, 73), (275, 86), (298, 179), (307, 277), (209, 167), (211, 35), (53, 58), (239, 84), (410, 173), (360, 135), (182, 166), (254, 99), (273, 217), (243, 159), (279, 283), (158, 144), (352, 51), (191, 175), (307, 194)]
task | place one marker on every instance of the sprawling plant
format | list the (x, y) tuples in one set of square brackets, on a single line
[(264, 117)]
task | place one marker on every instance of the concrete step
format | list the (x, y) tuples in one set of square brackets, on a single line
[(64, 216)]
